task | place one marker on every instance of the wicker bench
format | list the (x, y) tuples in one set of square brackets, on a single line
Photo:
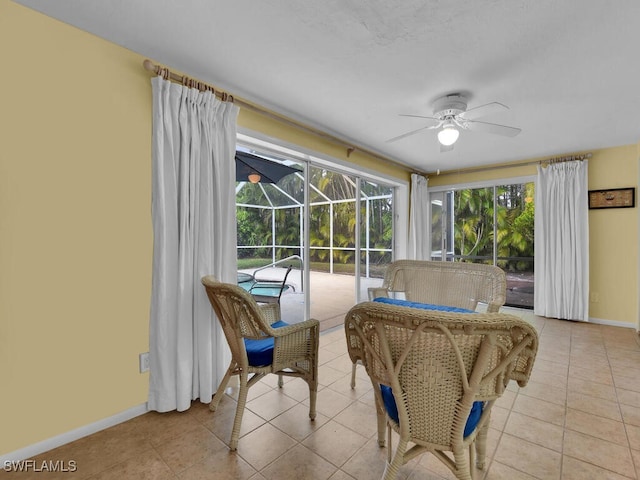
[(454, 284)]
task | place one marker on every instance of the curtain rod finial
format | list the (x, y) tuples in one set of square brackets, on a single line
[(148, 65)]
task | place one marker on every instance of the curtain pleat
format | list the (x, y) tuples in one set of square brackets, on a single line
[(419, 224), (561, 288), (193, 211)]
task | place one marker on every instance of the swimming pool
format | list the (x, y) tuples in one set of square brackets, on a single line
[(264, 289)]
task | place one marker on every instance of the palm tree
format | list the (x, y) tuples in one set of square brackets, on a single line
[(516, 232), (332, 215), (514, 214), (473, 228)]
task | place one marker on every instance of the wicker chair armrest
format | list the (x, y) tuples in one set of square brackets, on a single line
[(375, 292), (294, 328), (294, 343)]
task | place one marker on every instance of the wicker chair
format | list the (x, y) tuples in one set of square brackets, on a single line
[(436, 376), (454, 284), (259, 346)]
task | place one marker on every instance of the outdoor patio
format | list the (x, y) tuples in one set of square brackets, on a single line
[(332, 295), (520, 289)]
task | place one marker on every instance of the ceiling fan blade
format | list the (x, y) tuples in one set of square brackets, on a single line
[(446, 148), (408, 134), (433, 123), (492, 128), (483, 111)]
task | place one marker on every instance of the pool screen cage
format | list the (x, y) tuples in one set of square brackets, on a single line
[(270, 221)]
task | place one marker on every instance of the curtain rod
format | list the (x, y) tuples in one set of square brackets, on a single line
[(569, 158), (224, 96)]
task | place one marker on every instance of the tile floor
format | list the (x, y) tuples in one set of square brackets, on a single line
[(579, 418)]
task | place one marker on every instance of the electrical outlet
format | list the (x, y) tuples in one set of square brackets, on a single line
[(595, 297), (144, 362)]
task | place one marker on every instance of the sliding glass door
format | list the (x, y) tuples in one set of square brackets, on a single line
[(488, 224), (335, 228), (350, 240), (333, 205)]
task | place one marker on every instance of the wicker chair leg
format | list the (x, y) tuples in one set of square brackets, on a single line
[(215, 401), (463, 468), (382, 427), (391, 469), (280, 381), (353, 376), (313, 393), (242, 401), (481, 445), (472, 460)]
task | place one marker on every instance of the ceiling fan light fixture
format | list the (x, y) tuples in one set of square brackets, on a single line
[(254, 177), (448, 135)]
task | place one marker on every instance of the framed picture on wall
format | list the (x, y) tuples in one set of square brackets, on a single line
[(613, 198)]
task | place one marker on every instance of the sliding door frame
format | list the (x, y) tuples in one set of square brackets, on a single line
[(307, 158)]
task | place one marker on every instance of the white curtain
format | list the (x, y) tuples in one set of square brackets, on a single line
[(561, 288), (193, 212), (419, 224)]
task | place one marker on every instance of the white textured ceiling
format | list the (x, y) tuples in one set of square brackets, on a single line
[(568, 69)]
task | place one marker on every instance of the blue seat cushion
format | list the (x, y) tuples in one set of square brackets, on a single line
[(392, 410), (260, 352), (424, 306), (389, 403)]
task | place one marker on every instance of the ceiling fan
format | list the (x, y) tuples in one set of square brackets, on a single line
[(450, 114)]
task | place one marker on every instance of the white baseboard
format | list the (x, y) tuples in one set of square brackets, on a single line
[(613, 323), (599, 321), (59, 440)]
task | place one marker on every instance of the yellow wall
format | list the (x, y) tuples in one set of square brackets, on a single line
[(613, 238), (75, 228), (75, 225), (259, 123), (613, 233)]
